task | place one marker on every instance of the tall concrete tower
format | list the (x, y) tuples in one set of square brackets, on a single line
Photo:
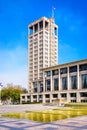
[(42, 50)]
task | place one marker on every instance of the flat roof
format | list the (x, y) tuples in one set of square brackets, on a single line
[(66, 64)]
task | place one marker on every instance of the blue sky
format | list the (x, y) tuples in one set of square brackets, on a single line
[(15, 15)]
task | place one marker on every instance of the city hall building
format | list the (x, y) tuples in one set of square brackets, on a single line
[(48, 81)]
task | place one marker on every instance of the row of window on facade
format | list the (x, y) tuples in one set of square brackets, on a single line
[(65, 70), (63, 95), (39, 27), (65, 83)]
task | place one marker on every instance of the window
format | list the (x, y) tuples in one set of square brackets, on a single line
[(55, 95), (40, 96), (28, 97), (73, 69), (48, 85), (48, 73), (41, 87), (83, 94), (36, 27), (72, 94), (83, 67), (35, 90), (63, 71), (64, 83), (55, 72), (23, 97), (84, 81), (56, 84), (47, 96), (34, 96), (41, 25), (55, 31), (63, 95), (73, 82)]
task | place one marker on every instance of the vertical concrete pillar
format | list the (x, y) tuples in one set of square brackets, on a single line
[(31, 98), (78, 76), (43, 98), (78, 97), (50, 98), (68, 97), (26, 98)]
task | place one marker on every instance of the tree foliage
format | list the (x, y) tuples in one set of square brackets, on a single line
[(12, 94)]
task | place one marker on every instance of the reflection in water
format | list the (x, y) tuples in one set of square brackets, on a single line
[(49, 115)]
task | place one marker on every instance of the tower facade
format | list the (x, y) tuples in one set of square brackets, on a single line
[(42, 51)]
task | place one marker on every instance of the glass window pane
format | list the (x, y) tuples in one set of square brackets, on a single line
[(84, 81), (56, 84), (73, 82), (64, 83)]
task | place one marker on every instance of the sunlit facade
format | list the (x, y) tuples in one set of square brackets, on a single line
[(48, 81), (65, 82)]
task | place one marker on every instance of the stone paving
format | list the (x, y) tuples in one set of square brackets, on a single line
[(78, 123)]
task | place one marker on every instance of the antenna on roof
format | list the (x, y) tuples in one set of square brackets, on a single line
[(53, 9)]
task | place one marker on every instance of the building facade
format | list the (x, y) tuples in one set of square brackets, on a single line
[(48, 81), (66, 81), (42, 50)]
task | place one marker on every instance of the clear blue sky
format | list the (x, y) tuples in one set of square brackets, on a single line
[(15, 15)]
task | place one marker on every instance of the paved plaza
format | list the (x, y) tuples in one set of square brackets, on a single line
[(78, 123)]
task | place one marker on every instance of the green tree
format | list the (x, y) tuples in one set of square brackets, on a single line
[(12, 93)]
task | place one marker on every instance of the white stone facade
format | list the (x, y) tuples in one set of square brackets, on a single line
[(65, 82), (42, 50)]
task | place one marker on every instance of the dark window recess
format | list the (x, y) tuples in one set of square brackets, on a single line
[(56, 84), (55, 72), (35, 84), (40, 96), (83, 67), (41, 25), (48, 85), (83, 100), (73, 100), (28, 97), (48, 73), (46, 24), (73, 69), (23, 97), (35, 89), (55, 95), (83, 94), (55, 31), (31, 30), (64, 83), (47, 96), (73, 94), (36, 28), (63, 95), (84, 81), (73, 82), (34, 96), (41, 89), (63, 71)]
